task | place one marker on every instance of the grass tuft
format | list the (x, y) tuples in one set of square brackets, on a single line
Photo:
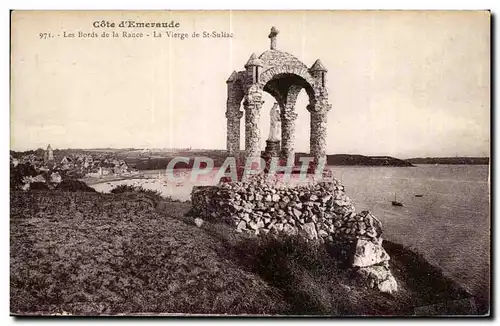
[(155, 194)]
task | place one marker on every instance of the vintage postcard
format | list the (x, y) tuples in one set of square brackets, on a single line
[(250, 163)]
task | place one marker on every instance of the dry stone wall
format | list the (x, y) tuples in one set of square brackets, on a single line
[(319, 211), (260, 206)]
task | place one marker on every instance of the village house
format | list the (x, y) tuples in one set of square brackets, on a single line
[(65, 167), (55, 177), (95, 173), (66, 160), (55, 168), (14, 161)]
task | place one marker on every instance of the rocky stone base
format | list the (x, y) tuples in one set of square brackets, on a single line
[(318, 211)]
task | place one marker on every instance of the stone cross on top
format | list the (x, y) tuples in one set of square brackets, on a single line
[(272, 36)]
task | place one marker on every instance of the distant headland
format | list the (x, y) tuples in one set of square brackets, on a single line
[(450, 160)]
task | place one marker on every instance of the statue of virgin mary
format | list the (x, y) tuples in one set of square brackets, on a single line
[(275, 129)]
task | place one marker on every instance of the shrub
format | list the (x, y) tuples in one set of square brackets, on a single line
[(123, 189), (19, 172), (38, 186), (74, 185), (138, 189), (149, 192)]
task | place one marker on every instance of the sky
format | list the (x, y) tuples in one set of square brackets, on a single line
[(404, 84)]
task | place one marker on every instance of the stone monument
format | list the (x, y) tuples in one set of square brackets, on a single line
[(283, 76)]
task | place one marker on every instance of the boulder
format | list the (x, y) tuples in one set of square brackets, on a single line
[(309, 229), (379, 277), (378, 273), (326, 199), (297, 213), (241, 226), (289, 229), (198, 221), (369, 253), (322, 233), (246, 217), (372, 222), (253, 225), (389, 285)]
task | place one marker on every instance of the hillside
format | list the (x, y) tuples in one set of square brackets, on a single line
[(219, 156), (350, 159), (450, 160), (91, 253)]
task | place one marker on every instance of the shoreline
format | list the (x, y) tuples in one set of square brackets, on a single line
[(152, 174), (146, 174)]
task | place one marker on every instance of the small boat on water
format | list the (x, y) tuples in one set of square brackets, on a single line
[(395, 202), (419, 195)]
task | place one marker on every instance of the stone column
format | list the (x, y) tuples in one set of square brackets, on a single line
[(252, 104), (288, 118), (233, 131), (233, 114), (318, 129)]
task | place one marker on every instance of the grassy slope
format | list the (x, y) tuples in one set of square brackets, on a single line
[(89, 253)]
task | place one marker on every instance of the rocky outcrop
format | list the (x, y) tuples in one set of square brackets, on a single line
[(318, 211), (378, 277), (369, 253)]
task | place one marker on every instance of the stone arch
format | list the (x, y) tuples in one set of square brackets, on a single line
[(296, 75), (275, 92), (283, 76), (282, 83)]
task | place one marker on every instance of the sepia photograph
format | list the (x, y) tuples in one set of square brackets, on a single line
[(329, 163)]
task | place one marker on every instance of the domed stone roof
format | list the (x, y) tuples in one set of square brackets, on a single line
[(276, 58)]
